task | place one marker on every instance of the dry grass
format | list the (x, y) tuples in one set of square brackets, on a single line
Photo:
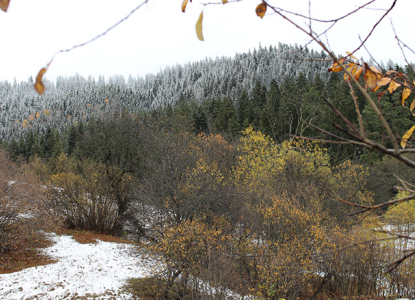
[(18, 260), (89, 237)]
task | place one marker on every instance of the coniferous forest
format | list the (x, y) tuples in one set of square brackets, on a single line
[(213, 167)]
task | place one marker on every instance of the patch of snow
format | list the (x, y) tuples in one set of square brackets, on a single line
[(99, 269)]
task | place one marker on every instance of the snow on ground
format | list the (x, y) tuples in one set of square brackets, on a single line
[(98, 270)]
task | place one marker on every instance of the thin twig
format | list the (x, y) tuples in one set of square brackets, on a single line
[(374, 27), (359, 115), (99, 35), (325, 21), (399, 44)]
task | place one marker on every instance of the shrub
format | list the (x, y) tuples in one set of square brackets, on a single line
[(22, 214), (89, 196)]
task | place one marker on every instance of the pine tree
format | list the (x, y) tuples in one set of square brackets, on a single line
[(245, 110), (226, 120), (272, 108), (200, 122), (72, 139)]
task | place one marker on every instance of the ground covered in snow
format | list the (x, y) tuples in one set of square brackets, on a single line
[(95, 271)]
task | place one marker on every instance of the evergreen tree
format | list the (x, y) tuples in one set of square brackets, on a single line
[(226, 121), (72, 139), (272, 108), (245, 110), (200, 122), (48, 143)]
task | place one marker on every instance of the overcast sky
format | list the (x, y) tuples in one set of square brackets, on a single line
[(160, 35)]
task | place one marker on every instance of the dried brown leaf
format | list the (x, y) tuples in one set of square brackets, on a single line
[(380, 95), (39, 87), (261, 9), (370, 77), (4, 5), (184, 4)]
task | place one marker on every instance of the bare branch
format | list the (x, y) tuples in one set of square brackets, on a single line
[(399, 43), (100, 35), (370, 208), (396, 264), (359, 115), (324, 21), (374, 27)]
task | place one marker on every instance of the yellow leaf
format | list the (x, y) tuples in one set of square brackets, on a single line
[(4, 5), (375, 89), (358, 73), (405, 94), (46, 112), (373, 68), (370, 77), (393, 86), (107, 101), (351, 69), (351, 55), (346, 77), (184, 4), (406, 136), (335, 67), (32, 117), (199, 29), (412, 105), (38, 115), (39, 87), (224, 1), (261, 9), (383, 81)]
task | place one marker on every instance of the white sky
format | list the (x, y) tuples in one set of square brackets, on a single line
[(160, 35)]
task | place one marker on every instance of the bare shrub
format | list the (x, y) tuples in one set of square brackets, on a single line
[(22, 217), (88, 195)]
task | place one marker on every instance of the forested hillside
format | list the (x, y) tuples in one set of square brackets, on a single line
[(213, 166), (78, 99)]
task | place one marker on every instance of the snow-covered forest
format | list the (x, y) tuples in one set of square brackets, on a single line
[(78, 99)]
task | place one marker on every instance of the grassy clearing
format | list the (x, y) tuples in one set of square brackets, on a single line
[(18, 260), (15, 261)]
